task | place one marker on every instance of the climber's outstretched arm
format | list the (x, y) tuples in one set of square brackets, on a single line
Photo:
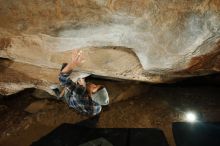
[(76, 60)]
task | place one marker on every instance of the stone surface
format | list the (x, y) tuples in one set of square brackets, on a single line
[(21, 76), (16, 77), (145, 40), (38, 106)]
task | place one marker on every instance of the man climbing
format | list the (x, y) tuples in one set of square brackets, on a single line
[(86, 98)]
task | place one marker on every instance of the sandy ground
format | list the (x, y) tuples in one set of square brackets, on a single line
[(133, 105)]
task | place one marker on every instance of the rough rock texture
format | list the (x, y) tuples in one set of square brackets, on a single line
[(37, 106), (145, 40)]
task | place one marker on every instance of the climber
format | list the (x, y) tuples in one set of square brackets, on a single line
[(86, 98)]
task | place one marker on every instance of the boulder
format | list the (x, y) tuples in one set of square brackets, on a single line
[(144, 40)]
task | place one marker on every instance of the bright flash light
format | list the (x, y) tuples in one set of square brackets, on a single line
[(191, 117)]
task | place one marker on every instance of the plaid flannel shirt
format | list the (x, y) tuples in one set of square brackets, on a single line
[(77, 97)]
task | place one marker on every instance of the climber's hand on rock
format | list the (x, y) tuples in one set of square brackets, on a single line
[(77, 57), (76, 60)]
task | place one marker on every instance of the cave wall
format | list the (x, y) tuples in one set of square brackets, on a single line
[(144, 40)]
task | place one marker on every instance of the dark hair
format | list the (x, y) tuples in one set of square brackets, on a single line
[(63, 66)]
